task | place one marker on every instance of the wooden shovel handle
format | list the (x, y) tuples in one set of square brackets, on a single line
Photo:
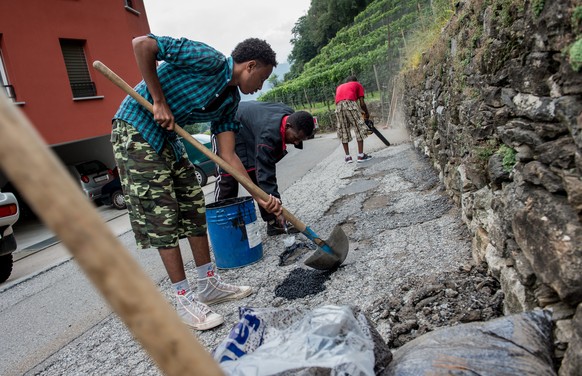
[(56, 198), (247, 183)]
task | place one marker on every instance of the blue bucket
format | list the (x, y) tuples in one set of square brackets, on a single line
[(234, 232)]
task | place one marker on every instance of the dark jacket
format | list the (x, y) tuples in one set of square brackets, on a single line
[(259, 143)]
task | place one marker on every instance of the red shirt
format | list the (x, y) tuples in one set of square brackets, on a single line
[(350, 91), (282, 130)]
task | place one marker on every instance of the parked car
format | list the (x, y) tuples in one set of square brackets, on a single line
[(9, 213), (92, 176), (24, 210), (112, 194), (315, 128), (204, 166)]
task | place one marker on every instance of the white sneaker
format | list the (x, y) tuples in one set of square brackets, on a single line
[(196, 314), (212, 290)]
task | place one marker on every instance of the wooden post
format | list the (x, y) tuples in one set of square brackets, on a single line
[(307, 99), (403, 39), (54, 196), (391, 103), (394, 112), (394, 103), (380, 90)]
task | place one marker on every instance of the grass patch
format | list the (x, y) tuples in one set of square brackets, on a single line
[(426, 36), (575, 55)]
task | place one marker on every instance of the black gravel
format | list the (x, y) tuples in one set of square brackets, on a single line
[(301, 283)]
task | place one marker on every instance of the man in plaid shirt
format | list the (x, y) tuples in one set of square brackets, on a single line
[(194, 83)]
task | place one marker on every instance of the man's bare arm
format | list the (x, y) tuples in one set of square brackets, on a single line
[(145, 50), (364, 108)]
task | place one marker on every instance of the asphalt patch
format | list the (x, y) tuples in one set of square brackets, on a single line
[(302, 282)]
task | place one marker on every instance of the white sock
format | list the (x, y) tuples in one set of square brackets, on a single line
[(182, 287), (205, 271), (361, 154)]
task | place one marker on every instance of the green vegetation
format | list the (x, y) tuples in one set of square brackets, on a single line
[(483, 153), (376, 39), (576, 17), (538, 7), (575, 55), (314, 30), (508, 157), (575, 50), (422, 39)]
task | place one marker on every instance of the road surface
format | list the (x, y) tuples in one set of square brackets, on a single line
[(48, 302)]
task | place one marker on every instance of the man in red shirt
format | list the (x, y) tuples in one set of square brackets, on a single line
[(349, 101)]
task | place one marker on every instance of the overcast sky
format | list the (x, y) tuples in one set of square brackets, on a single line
[(222, 24)]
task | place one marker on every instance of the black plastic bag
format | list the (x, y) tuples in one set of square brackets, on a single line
[(512, 345)]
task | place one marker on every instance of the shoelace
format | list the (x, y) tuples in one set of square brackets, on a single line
[(222, 286), (199, 307)]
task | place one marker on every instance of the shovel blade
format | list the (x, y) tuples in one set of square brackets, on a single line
[(332, 254)]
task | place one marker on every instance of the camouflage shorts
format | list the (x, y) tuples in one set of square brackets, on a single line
[(349, 115), (164, 200)]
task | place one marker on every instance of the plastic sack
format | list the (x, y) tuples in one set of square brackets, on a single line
[(512, 345), (330, 340)]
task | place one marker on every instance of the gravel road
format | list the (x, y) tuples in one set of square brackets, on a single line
[(409, 266)]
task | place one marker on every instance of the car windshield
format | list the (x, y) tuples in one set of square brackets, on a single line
[(92, 167)]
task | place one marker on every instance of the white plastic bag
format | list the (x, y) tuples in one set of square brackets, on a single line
[(290, 341)]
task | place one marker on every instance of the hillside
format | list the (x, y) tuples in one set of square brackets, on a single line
[(370, 48)]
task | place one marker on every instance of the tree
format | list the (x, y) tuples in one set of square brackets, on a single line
[(303, 49), (273, 80), (314, 30)]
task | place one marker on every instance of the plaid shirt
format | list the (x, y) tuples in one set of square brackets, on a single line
[(192, 76)]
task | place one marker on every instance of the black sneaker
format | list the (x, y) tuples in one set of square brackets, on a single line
[(364, 158), (275, 228)]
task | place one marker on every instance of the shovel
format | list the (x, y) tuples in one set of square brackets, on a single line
[(329, 254)]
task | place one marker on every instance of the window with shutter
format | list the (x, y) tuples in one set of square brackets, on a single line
[(76, 63), (130, 6)]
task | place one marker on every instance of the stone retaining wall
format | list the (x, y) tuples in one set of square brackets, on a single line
[(497, 105)]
